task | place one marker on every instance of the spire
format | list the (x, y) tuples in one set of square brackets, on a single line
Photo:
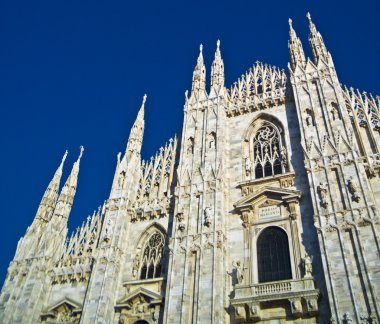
[(137, 131), (316, 42), (68, 191), (199, 74), (297, 55), (53, 238), (50, 196), (217, 68)]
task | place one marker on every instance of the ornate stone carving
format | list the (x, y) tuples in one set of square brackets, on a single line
[(247, 166), (207, 216), (323, 190), (353, 188), (238, 269), (346, 318), (307, 266)]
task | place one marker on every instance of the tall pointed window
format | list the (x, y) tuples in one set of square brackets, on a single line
[(269, 154), (151, 264), (273, 257)]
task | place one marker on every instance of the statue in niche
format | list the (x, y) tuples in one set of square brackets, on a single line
[(107, 234), (238, 271), (284, 158), (136, 265), (190, 145), (307, 265), (347, 318), (207, 216), (309, 121), (212, 140), (248, 166), (334, 111), (322, 189), (309, 118), (121, 179), (352, 186)]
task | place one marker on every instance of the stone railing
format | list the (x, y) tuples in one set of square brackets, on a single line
[(293, 293), (274, 288)]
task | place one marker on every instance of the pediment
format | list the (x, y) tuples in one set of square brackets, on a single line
[(65, 304), (148, 295), (268, 195)]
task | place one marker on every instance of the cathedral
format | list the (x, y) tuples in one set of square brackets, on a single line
[(264, 210)]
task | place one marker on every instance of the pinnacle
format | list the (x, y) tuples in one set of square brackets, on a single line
[(81, 152)]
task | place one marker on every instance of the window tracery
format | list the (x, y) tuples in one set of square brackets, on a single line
[(269, 153), (151, 264)]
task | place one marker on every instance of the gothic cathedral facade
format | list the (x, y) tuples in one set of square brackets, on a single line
[(266, 209)]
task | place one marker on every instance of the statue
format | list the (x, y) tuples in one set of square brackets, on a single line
[(353, 189), (207, 216), (284, 159), (322, 188), (307, 265), (248, 166), (107, 234), (238, 271), (309, 120), (136, 265), (190, 145), (347, 318)]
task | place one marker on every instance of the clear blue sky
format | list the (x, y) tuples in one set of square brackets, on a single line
[(74, 72)]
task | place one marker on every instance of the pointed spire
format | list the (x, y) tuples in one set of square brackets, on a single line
[(297, 55), (137, 131), (199, 74), (69, 189), (50, 196), (316, 42), (217, 68)]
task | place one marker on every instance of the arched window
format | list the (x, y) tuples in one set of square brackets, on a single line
[(273, 256), (269, 154), (151, 258)]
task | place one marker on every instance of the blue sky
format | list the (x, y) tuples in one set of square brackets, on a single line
[(74, 72)]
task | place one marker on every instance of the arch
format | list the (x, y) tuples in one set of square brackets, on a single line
[(141, 322), (148, 259), (273, 256), (258, 120), (334, 111), (267, 149)]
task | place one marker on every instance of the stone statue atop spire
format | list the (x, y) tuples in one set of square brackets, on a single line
[(297, 55), (217, 68), (199, 74)]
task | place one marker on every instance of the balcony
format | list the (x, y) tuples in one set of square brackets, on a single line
[(299, 296)]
